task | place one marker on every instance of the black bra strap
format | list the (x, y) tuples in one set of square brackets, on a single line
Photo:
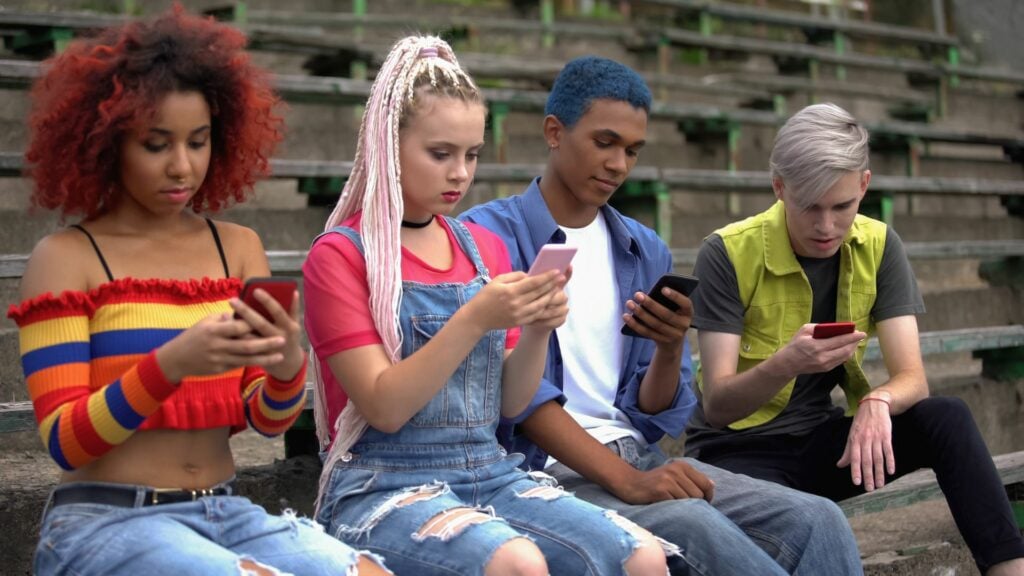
[(220, 247), (96, 247)]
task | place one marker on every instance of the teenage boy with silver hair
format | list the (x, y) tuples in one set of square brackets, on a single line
[(765, 407), (606, 399)]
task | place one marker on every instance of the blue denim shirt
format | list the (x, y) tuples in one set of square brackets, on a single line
[(640, 258)]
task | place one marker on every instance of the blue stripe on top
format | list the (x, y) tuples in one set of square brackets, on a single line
[(139, 341), (53, 443), (66, 353), (281, 405), (119, 407)]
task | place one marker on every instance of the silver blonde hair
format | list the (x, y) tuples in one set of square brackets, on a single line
[(814, 149)]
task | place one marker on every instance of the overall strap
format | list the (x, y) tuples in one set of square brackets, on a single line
[(346, 232), (96, 247), (220, 247), (468, 245)]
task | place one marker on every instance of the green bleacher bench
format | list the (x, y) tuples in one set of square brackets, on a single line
[(810, 23), (921, 486)]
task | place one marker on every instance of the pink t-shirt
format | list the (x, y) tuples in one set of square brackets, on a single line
[(337, 295)]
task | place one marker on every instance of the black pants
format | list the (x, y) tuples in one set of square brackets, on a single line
[(937, 433)]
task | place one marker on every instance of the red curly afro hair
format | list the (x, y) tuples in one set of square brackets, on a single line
[(101, 88)]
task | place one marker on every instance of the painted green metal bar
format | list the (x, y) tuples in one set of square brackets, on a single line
[(839, 43), (241, 13), (779, 104), (954, 63), (733, 135), (547, 21), (663, 211), (1004, 365), (706, 24)]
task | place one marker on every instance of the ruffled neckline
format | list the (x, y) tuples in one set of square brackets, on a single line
[(88, 301)]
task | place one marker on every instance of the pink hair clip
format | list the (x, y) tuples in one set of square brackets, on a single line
[(428, 52)]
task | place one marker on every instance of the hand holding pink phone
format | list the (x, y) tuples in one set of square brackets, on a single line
[(552, 257)]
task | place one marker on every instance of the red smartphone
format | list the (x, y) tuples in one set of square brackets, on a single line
[(685, 285), (830, 329), (552, 257), (280, 289)]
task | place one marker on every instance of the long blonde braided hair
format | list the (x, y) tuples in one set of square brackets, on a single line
[(417, 66)]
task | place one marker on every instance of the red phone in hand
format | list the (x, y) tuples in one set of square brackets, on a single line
[(280, 289), (830, 329)]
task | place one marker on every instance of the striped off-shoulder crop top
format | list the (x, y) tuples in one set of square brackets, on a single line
[(90, 366)]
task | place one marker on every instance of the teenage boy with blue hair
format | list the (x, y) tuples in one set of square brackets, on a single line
[(606, 399)]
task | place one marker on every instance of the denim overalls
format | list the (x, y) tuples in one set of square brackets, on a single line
[(387, 488)]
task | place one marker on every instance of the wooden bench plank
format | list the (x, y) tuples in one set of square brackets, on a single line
[(921, 486), (787, 49), (762, 15)]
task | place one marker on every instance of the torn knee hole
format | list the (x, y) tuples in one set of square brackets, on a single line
[(628, 525), (543, 492), (249, 567), (451, 523), (425, 492)]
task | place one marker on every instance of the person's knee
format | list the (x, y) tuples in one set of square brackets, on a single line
[(648, 558), (369, 567), (517, 557), (942, 408), (825, 514), (938, 415)]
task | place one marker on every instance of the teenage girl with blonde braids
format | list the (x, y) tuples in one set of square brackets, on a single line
[(415, 320)]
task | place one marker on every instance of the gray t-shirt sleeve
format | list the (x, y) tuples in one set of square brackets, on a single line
[(716, 303), (897, 292)]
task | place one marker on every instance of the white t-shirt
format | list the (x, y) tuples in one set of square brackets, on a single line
[(590, 340)]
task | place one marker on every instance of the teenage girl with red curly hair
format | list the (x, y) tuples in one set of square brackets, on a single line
[(138, 368)]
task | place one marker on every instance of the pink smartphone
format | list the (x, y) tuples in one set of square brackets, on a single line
[(830, 329), (280, 289), (552, 257)]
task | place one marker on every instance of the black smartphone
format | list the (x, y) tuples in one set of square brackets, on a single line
[(683, 284), (280, 289)]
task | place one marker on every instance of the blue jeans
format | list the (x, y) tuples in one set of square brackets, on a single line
[(212, 535), (400, 493), (750, 527), (384, 512)]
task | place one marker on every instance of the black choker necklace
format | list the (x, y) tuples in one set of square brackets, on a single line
[(407, 224)]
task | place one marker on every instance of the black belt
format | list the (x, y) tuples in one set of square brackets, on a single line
[(126, 496)]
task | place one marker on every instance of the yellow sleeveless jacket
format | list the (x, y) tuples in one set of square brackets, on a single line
[(777, 296)]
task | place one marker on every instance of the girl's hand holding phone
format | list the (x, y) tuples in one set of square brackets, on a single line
[(278, 324), (514, 299), (216, 344)]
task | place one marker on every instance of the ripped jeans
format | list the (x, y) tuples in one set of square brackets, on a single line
[(440, 496), (211, 535), (433, 521)]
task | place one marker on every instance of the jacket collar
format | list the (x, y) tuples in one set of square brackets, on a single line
[(543, 228)]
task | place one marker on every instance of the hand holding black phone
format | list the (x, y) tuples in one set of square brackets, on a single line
[(685, 285)]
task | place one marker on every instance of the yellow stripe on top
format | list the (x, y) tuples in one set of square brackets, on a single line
[(132, 315), (51, 332)]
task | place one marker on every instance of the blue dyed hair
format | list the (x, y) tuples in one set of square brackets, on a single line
[(590, 78)]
